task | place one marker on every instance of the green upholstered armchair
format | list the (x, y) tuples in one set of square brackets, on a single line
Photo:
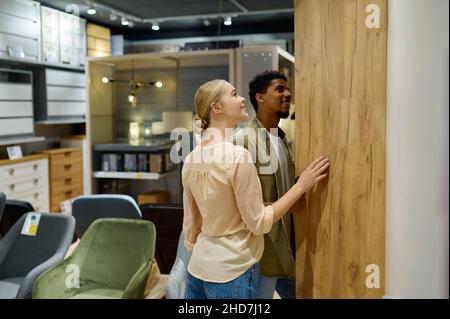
[(112, 260)]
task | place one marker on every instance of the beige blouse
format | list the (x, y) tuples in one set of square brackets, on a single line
[(224, 213)]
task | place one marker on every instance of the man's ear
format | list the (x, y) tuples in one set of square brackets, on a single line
[(259, 97)]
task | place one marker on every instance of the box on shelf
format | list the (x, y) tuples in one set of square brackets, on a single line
[(142, 163), (157, 163), (112, 162), (130, 163), (98, 40), (154, 197)]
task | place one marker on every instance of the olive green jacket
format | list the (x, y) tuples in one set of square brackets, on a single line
[(279, 246)]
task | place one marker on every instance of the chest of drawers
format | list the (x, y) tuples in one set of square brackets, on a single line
[(66, 175), (26, 179)]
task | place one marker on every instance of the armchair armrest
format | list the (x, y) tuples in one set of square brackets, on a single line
[(136, 286), (51, 284)]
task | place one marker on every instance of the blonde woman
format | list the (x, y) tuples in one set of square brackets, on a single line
[(224, 214)]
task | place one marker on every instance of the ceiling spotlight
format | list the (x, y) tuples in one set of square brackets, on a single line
[(206, 23), (113, 16), (227, 21), (105, 80), (155, 26), (158, 84), (91, 10), (131, 24), (124, 21)]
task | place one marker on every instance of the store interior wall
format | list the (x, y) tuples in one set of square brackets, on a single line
[(175, 95), (418, 150)]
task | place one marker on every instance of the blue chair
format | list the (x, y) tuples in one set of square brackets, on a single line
[(176, 285), (89, 208)]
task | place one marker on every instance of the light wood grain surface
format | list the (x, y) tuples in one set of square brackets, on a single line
[(341, 114)]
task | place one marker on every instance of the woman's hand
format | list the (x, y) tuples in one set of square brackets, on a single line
[(313, 174)]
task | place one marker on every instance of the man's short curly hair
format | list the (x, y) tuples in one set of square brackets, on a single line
[(260, 83)]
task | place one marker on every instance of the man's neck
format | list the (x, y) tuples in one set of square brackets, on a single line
[(268, 120)]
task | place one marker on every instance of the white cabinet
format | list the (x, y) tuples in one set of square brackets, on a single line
[(60, 95), (50, 35), (26, 179), (20, 27), (72, 39), (16, 103), (56, 77), (63, 37)]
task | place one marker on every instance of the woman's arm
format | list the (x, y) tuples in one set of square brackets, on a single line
[(192, 220), (248, 193)]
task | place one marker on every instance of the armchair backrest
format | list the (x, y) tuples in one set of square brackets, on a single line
[(21, 252), (113, 249), (14, 209), (87, 209)]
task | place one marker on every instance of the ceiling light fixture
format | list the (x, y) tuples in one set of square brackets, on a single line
[(91, 10), (131, 24), (134, 85), (206, 23), (124, 21), (155, 26), (227, 21)]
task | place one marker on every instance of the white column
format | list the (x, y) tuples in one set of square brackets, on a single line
[(417, 216)]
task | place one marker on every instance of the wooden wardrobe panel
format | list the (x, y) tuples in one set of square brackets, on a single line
[(341, 113)]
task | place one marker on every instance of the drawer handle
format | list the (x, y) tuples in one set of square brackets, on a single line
[(35, 167), (36, 195), (68, 166), (68, 180), (11, 171), (67, 154), (35, 181), (68, 193), (12, 186)]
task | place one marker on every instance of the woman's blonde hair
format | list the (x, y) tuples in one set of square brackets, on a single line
[(206, 95)]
